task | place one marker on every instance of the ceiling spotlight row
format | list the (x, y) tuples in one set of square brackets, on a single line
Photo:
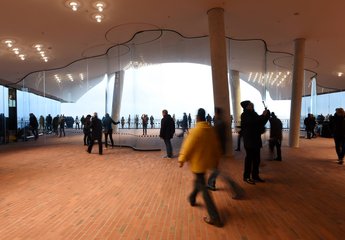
[(10, 44), (269, 78), (68, 76), (75, 5), (41, 52)]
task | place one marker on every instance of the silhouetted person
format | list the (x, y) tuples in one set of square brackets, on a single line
[(62, 125), (152, 121), (96, 134), (56, 124), (77, 123), (337, 124), (108, 130), (221, 128), (144, 121), (202, 150), (49, 121), (167, 132), (122, 122), (87, 130), (253, 125), (276, 135), (33, 124), (310, 124)]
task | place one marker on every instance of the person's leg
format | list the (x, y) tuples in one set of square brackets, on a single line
[(210, 206), (89, 148), (100, 147), (248, 161), (168, 147), (194, 193), (106, 139), (111, 137), (211, 182), (256, 164), (279, 152)]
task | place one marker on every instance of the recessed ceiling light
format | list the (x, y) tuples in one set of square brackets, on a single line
[(340, 74), (73, 4), (98, 17), (99, 6), (9, 43)]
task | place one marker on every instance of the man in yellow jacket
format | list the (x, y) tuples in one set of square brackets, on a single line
[(202, 150)]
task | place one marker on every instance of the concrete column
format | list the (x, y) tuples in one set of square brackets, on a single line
[(235, 96), (297, 90), (117, 96), (219, 67)]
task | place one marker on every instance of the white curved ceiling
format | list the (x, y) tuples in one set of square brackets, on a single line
[(70, 36)]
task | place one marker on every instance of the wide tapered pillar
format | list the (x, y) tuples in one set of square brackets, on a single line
[(219, 67), (297, 90), (235, 96)]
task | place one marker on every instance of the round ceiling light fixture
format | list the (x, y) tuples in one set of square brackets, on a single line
[(73, 4), (99, 6), (98, 17)]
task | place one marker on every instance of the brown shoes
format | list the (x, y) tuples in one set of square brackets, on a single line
[(214, 222)]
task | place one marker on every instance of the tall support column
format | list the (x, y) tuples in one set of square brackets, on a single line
[(235, 96), (219, 67), (117, 96), (297, 90)]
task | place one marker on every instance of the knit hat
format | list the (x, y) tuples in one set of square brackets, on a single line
[(244, 104)]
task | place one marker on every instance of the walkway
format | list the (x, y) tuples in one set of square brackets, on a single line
[(53, 189)]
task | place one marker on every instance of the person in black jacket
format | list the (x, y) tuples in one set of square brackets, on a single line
[(108, 130), (96, 133), (167, 132), (337, 124), (276, 136), (87, 130), (33, 125), (253, 125)]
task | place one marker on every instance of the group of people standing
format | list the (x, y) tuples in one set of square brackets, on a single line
[(94, 129)]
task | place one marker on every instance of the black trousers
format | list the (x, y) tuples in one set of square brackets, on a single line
[(275, 143), (200, 186), (110, 133), (251, 163), (100, 147)]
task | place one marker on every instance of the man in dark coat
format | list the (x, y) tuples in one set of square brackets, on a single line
[(108, 130), (167, 132), (337, 124), (96, 133), (253, 125), (276, 135)]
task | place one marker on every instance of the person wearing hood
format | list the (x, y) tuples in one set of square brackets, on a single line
[(253, 125)]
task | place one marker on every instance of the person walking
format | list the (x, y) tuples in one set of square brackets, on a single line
[(253, 125), (202, 150), (108, 130), (276, 135), (96, 134), (167, 131)]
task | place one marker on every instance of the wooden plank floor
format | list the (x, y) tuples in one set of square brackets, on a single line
[(53, 189)]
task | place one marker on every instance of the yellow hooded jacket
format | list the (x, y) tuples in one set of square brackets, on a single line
[(201, 148)]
